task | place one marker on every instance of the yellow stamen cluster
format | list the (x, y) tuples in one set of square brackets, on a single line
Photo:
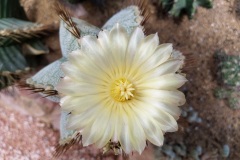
[(122, 90)]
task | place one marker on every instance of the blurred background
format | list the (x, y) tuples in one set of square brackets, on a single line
[(205, 30)]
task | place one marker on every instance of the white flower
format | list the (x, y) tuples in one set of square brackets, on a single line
[(122, 88)]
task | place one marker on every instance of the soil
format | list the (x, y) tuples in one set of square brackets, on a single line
[(209, 31)]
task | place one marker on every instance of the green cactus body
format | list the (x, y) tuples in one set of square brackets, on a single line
[(177, 8), (228, 72), (17, 36)]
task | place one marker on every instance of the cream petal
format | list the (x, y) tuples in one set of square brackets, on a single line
[(96, 131), (137, 135), (135, 39), (99, 127), (80, 120), (106, 128), (91, 47), (151, 128), (119, 41), (162, 117), (145, 50), (125, 136), (165, 82), (173, 97), (166, 122), (147, 47), (170, 66), (87, 65), (74, 72), (117, 119), (105, 43), (138, 138), (80, 104), (88, 136), (71, 87), (173, 110), (161, 55)]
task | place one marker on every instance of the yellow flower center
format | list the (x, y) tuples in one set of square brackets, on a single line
[(122, 90)]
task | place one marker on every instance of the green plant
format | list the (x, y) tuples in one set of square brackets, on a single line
[(15, 36), (228, 74), (178, 8)]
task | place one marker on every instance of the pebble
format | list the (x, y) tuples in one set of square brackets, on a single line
[(225, 151)]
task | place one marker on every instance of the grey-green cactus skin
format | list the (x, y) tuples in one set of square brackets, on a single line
[(228, 75), (178, 8)]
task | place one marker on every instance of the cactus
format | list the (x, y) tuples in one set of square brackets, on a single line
[(15, 34), (178, 8), (228, 74), (71, 30)]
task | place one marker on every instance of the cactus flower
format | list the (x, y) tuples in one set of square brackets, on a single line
[(122, 88)]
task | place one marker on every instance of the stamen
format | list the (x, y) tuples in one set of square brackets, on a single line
[(122, 90)]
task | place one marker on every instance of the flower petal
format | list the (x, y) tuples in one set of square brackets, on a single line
[(173, 110), (165, 82), (80, 104), (146, 48), (125, 136), (151, 128), (91, 47), (119, 41), (135, 39), (138, 138), (166, 121), (71, 87), (107, 128), (99, 126), (80, 120), (174, 97), (170, 66)]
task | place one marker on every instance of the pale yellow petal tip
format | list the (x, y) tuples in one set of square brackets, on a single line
[(119, 80)]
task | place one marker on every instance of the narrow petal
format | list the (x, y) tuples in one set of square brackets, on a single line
[(146, 48), (80, 104), (165, 82), (163, 118), (173, 110), (107, 128), (119, 41), (71, 87), (161, 55), (117, 119), (91, 47), (151, 128), (79, 121), (170, 97), (125, 137), (87, 65), (134, 42), (170, 66), (75, 73), (138, 138), (99, 126)]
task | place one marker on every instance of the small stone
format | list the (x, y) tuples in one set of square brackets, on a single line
[(225, 151)]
